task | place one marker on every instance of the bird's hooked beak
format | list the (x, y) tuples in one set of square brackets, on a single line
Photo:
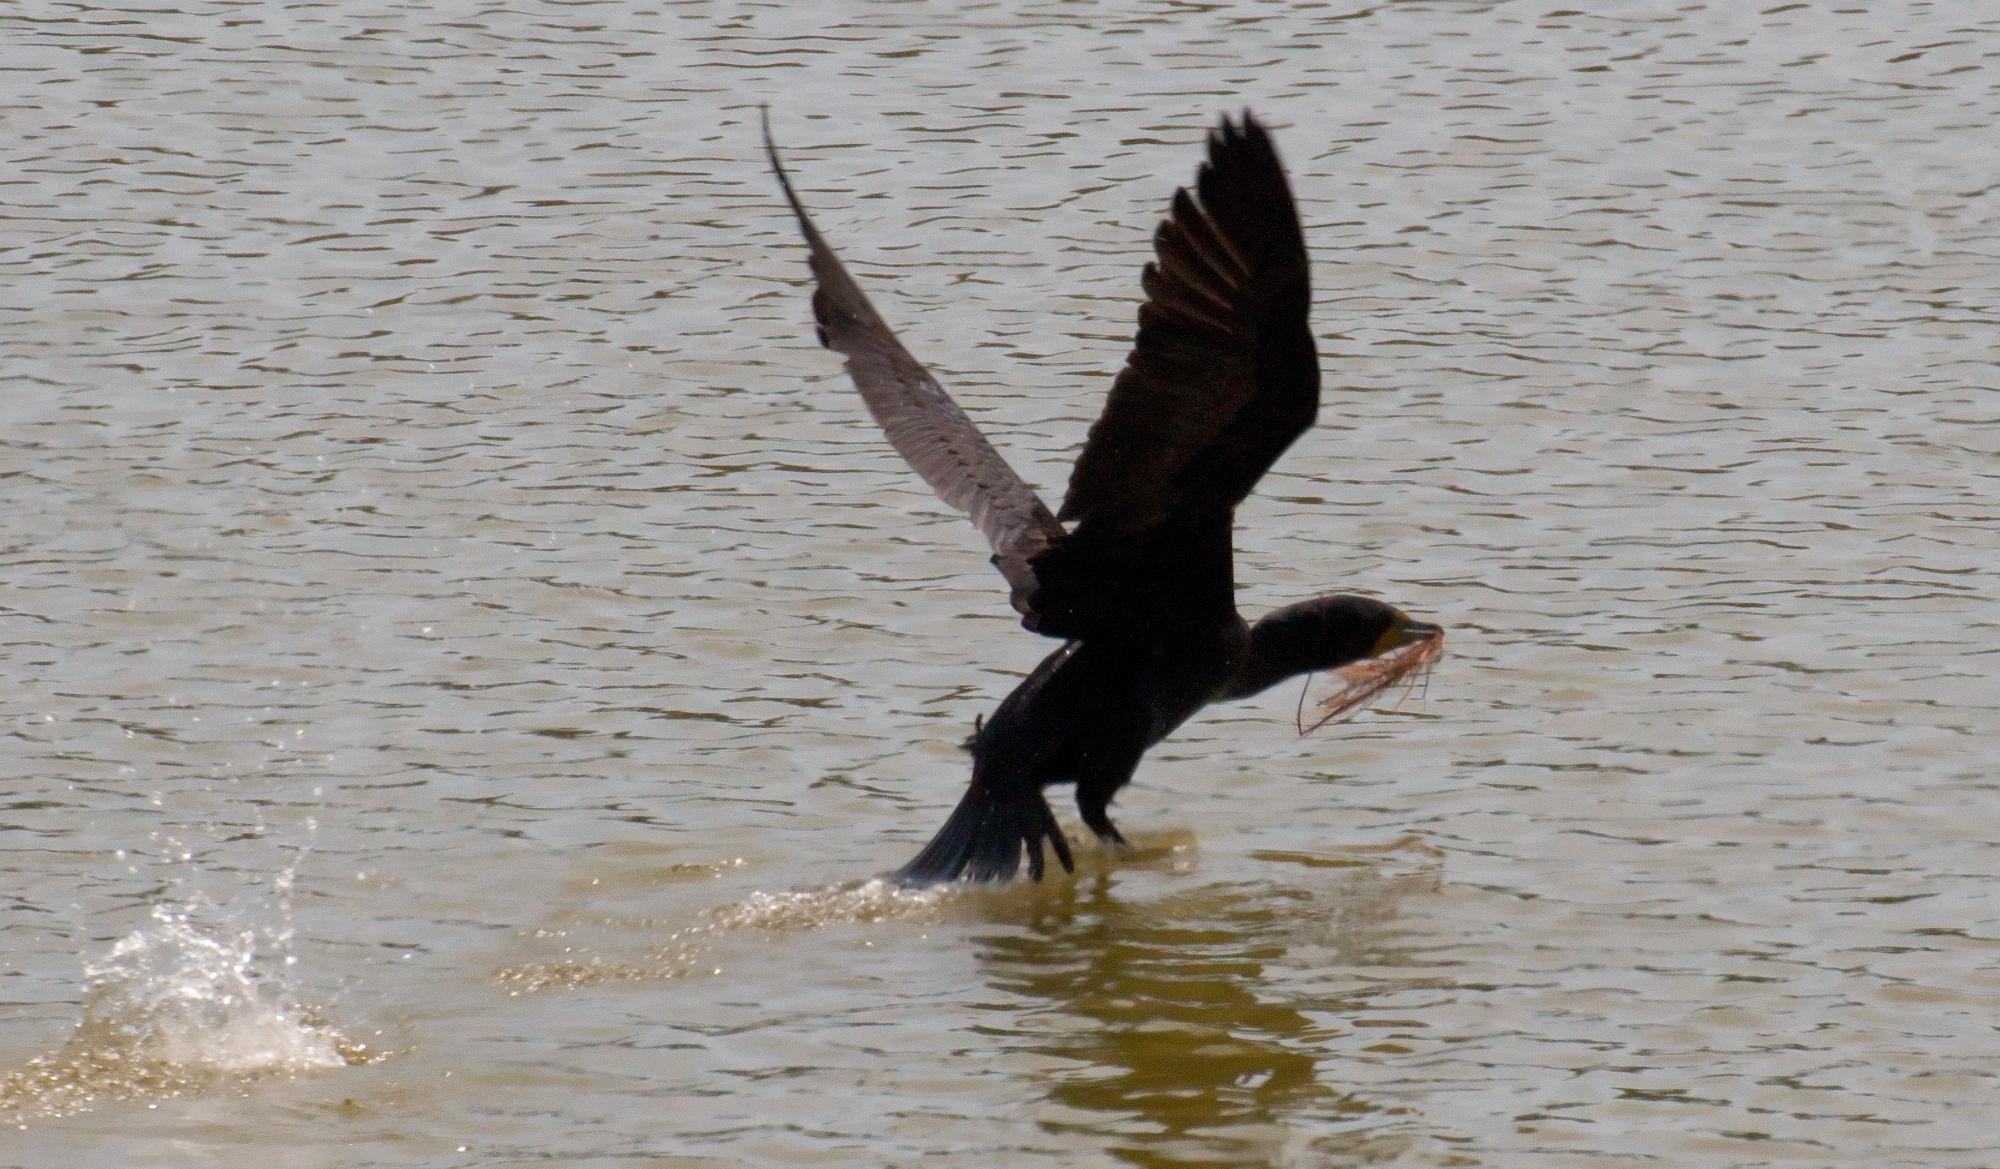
[(1405, 632)]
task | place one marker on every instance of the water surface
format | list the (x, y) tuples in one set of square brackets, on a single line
[(470, 650)]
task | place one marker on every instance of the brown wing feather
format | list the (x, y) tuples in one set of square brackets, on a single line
[(1223, 374), (923, 423)]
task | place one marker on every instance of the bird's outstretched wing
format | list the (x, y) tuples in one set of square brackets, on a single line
[(922, 422), (1223, 374), (1222, 377)]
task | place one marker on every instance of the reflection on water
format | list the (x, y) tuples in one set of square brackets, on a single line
[(1178, 1046), (1176, 1020), (1174, 1039)]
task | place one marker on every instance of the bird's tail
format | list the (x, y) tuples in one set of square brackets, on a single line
[(984, 837)]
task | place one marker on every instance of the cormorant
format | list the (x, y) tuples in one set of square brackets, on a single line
[(1134, 572)]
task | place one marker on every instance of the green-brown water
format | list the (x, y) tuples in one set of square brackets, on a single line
[(469, 649)]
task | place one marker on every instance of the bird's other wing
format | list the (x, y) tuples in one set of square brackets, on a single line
[(923, 423), (1222, 377)]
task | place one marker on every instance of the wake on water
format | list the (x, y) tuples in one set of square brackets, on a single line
[(688, 950), (681, 952)]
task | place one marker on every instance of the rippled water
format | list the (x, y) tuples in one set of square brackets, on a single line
[(470, 650)]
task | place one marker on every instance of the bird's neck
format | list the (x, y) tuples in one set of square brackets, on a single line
[(1274, 653)]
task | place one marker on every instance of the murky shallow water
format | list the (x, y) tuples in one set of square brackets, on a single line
[(470, 650)]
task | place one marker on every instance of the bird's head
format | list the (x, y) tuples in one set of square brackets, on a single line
[(1330, 632), (1370, 645)]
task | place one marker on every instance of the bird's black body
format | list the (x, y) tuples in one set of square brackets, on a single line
[(1134, 572), (1087, 714)]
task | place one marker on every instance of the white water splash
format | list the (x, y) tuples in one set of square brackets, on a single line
[(197, 999), (199, 991)]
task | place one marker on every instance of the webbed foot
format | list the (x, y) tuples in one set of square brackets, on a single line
[(1099, 822)]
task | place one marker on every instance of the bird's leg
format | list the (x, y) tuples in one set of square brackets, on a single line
[(1092, 800)]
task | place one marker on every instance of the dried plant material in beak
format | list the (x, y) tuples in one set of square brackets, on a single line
[(1362, 682)]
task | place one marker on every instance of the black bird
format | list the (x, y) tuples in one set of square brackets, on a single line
[(1134, 572)]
